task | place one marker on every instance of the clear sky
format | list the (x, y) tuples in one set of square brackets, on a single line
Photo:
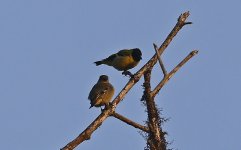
[(47, 52)]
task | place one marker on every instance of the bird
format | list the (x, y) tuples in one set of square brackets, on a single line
[(123, 60), (101, 93)]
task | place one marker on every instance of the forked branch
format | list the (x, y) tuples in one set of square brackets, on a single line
[(169, 75)]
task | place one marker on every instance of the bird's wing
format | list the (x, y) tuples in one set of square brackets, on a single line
[(124, 52), (97, 92), (111, 58), (99, 96), (101, 93), (93, 92)]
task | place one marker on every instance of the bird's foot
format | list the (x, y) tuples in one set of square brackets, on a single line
[(135, 77), (107, 105), (132, 76), (127, 73), (102, 109)]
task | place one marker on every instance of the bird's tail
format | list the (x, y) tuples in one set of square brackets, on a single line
[(98, 63)]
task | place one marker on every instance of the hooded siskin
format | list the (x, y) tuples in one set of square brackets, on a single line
[(101, 93), (123, 60)]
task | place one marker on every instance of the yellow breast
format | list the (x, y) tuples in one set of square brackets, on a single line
[(124, 63)]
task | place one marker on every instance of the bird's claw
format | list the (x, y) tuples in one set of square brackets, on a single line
[(107, 105), (128, 73), (102, 109)]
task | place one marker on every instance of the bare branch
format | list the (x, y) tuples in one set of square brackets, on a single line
[(160, 60), (130, 122), (188, 23), (169, 75), (86, 134), (181, 22)]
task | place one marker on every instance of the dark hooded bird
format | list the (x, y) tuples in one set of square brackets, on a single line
[(123, 60), (101, 93)]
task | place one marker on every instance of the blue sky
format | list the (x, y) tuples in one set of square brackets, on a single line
[(47, 52)]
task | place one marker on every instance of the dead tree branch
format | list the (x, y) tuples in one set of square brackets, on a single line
[(156, 139), (130, 122), (181, 23), (86, 134), (160, 60), (169, 75)]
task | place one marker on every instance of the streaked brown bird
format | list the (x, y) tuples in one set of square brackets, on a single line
[(101, 93)]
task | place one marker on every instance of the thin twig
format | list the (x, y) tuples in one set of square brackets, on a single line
[(169, 75), (130, 122), (160, 60), (188, 23), (86, 134)]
